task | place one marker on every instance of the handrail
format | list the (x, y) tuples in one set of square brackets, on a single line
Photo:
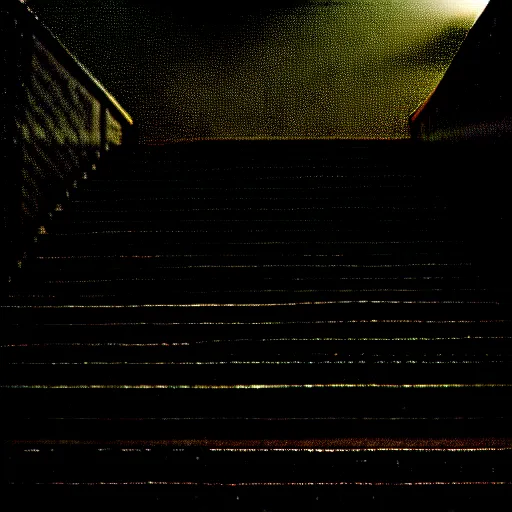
[(56, 120), (471, 101), (68, 60)]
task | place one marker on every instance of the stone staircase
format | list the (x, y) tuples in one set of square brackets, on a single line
[(260, 325)]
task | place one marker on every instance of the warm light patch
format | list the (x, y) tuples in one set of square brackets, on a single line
[(462, 8)]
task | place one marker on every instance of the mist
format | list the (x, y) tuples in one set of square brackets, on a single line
[(345, 69)]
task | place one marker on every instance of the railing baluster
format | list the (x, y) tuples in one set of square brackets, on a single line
[(56, 123)]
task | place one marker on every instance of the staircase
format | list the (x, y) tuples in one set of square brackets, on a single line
[(265, 325)]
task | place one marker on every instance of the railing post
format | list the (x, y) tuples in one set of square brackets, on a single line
[(103, 131)]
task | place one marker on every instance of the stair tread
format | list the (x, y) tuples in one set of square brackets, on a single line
[(294, 317)]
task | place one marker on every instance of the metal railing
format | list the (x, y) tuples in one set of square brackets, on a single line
[(57, 121), (472, 102)]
